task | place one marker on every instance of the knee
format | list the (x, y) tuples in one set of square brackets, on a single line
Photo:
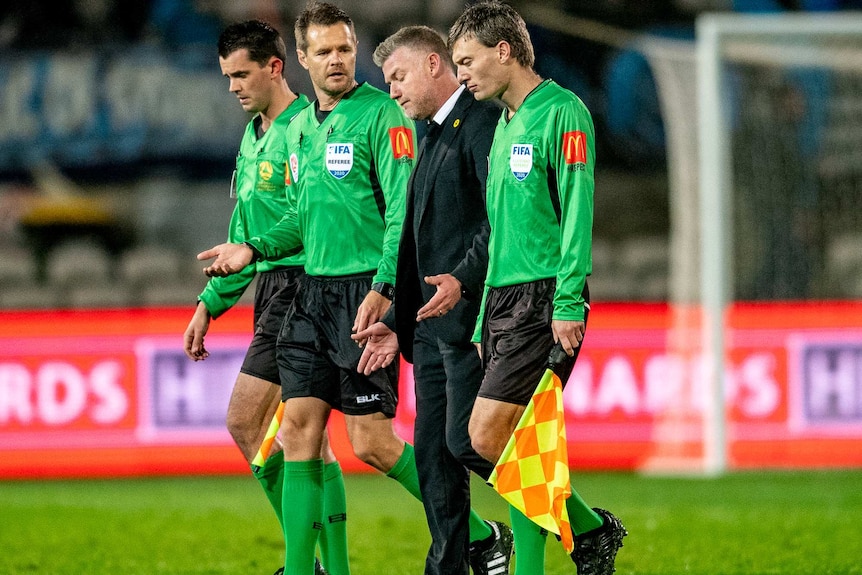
[(364, 454), (485, 444), (299, 441), (380, 454), (366, 451), (238, 425)]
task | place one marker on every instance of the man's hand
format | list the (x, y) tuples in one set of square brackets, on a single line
[(569, 334), (195, 332), (370, 311), (229, 259), (380, 347), (448, 294)]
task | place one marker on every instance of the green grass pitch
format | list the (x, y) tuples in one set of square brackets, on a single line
[(752, 523)]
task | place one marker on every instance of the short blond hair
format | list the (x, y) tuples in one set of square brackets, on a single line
[(413, 37)]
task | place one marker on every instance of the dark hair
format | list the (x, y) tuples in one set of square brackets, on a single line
[(318, 14), (416, 37), (491, 22), (260, 39)]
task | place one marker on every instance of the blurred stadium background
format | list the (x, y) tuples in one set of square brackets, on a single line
[(117, 142)]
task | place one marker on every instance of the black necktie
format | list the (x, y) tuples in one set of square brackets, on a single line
[(433, 133), (423, 171)]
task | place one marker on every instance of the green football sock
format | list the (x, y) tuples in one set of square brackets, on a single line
[(271, 478), (302, 513), (479, 529), (581, 516), (530, 540), (404, 472), (333, 538)]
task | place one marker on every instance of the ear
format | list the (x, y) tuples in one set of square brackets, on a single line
[(504, 51), (300, 56), (435, 65), (277, 66)]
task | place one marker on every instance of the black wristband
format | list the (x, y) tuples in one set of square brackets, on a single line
[(384, 289), (256, 256)]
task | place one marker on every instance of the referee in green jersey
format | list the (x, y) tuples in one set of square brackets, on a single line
[(349, 157), (540, 207), (252, 56)]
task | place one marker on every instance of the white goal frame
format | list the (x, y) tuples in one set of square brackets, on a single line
[(713, 33)]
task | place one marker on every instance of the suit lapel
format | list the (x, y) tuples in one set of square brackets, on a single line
[(451, 125)]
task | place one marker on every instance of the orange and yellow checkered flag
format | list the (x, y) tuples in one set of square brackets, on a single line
[(533, 471), (268, 439)]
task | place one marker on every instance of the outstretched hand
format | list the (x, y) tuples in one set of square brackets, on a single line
[(448, 294), (379, 347), (229, 259), (372, 308)]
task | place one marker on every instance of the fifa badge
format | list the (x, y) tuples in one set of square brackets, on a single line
[(339, 159), (521, 160)]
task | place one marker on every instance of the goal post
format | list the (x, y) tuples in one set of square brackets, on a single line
[(762, 117), (763, 114)]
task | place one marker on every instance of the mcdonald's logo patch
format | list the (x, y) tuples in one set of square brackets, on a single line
[(401, 139), (575, 147)]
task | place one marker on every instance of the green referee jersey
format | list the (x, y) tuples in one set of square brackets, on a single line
[(540, 196), (347, 186), (259, 185)]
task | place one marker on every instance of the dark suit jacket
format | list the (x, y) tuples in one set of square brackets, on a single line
[(453, 224)]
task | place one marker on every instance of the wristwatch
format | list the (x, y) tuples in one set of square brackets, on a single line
[(385, 289), (256, 256)]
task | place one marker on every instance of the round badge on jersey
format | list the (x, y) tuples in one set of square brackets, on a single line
[(339, 159), (294, 167), (521, 160), (264, 170)]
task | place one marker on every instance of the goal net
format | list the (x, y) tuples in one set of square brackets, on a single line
[(763, 120)]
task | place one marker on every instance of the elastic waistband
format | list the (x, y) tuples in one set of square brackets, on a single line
[(283, 269), (368, 276)]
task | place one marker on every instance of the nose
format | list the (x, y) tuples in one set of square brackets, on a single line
[(234, 85), (462, 75), (394, 91)]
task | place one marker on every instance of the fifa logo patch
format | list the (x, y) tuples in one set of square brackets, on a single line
[(264, 170), (401, 139), (575, 148), (339, 159), (293, 163), (521, 160)]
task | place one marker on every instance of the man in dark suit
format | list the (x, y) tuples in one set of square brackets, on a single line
[(442, 260)]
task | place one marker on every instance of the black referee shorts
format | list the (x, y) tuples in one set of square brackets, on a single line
[(273, 296), (317, 358), (517, 340)]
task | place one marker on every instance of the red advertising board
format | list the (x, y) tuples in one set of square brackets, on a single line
[(111, 392)]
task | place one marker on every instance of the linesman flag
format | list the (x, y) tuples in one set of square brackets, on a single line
[(533, 471), (268, 439)]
